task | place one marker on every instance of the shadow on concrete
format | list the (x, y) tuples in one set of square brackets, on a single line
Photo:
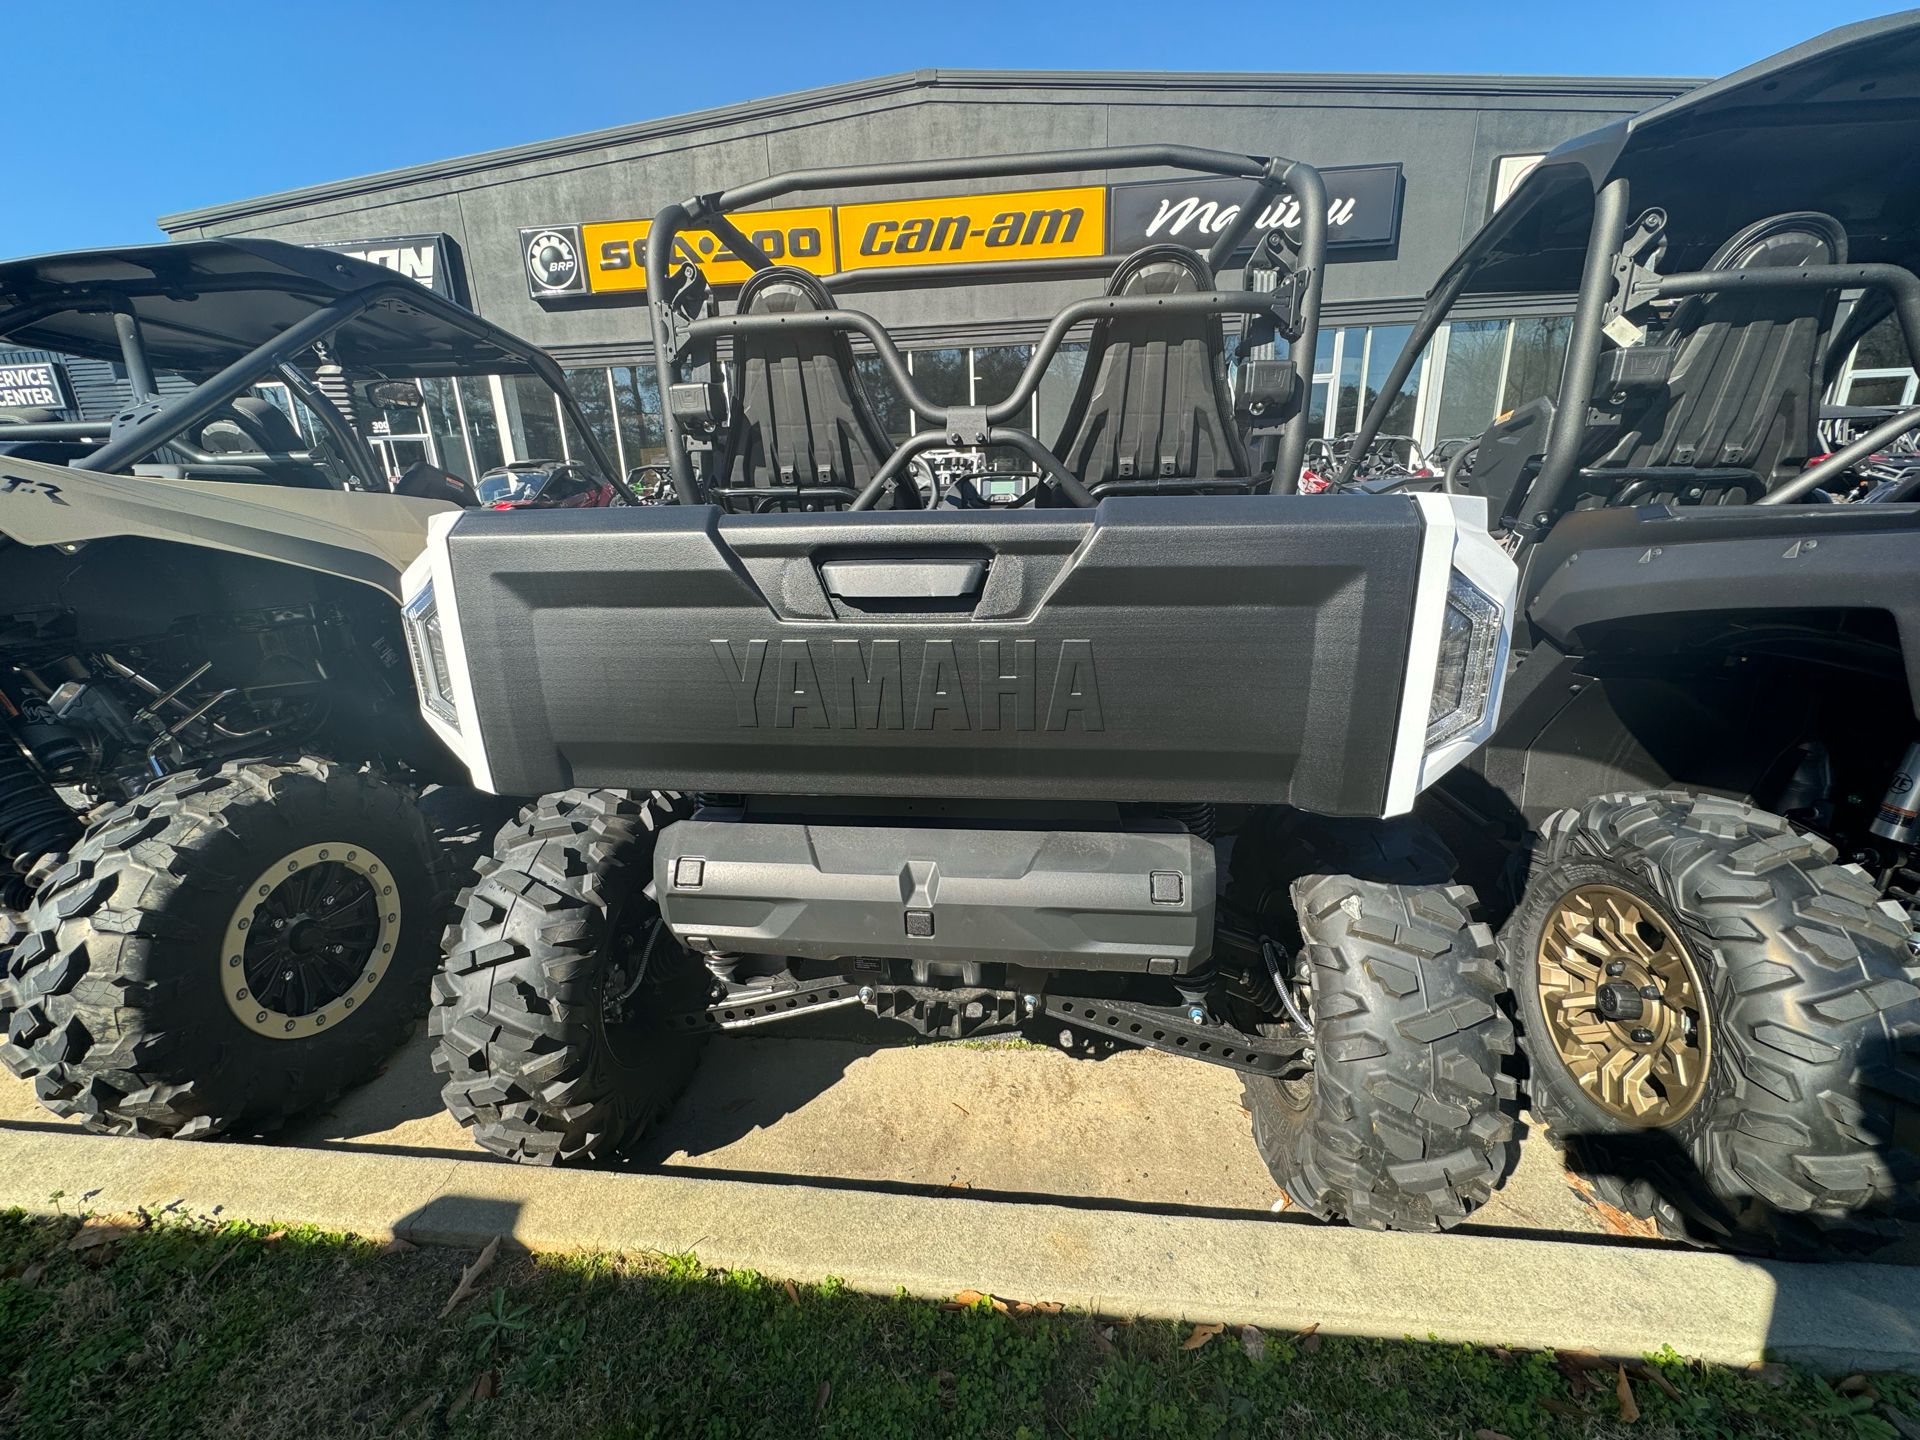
[(746, 1083), (459, 1220)]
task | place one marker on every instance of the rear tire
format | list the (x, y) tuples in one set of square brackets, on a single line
[(551, 1007), (1405, 1122), (1801, 1135), (120, 1000)]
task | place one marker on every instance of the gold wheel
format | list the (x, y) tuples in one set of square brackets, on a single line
[(1624, 1005)]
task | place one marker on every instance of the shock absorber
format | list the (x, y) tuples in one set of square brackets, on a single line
[(34, 820)]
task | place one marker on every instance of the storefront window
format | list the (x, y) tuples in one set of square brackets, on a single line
[(1538, 352), (1384, 345), (441, 416), (590, 392), (1353, 353), (533, 419), (889, 405), (636, 390), (942, 375), (483, 428), (1470, 382)]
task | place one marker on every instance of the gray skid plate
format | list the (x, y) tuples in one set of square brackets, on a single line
[(1062, 899)]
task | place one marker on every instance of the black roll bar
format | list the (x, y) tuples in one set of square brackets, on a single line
[(148, 432), (1605, 239), (710, 212)]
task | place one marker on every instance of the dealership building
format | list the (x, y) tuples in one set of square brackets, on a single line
[(546, 239)]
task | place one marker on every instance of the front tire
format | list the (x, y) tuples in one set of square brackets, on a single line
[(559, 979), (1762, 1086), (235, 946)]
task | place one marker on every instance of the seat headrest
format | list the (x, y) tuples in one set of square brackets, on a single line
[(1800, 237), (782, 289), (1162, 270), (251, 425)]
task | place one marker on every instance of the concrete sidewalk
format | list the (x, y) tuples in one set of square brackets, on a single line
[(1608, 1297)]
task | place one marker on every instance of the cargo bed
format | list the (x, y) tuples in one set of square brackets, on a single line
[(1244, 649)]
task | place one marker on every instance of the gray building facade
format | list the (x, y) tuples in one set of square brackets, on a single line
[(1421, 159)]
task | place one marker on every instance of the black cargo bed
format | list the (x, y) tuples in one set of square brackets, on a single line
[(1245, 649)]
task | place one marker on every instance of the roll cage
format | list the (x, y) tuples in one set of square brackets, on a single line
[(1828, 128), (232, 314), (686, 325)]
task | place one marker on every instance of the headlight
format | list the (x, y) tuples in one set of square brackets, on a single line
[(427, 648), (1469, 646)]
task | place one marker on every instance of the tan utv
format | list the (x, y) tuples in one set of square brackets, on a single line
[(221, 899)]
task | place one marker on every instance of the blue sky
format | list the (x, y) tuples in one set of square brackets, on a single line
[(121, 112)]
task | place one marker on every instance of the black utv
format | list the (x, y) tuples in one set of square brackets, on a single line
[(1697, 816), (1115, 749), (219, 898)]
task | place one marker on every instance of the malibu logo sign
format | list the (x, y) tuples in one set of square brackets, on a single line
[(1363, 209)]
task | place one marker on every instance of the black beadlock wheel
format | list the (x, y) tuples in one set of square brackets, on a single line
[(1723, 1024), (552, 1003), (237, 945)]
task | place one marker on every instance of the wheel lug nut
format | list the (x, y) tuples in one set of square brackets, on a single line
[(1616, 967), (1642, 1036), (1650, 992)]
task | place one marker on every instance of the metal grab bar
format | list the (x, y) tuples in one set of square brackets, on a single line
[(1228, 302), (932, 439)]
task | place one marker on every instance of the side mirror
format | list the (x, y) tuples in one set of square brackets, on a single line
[(394, 395)]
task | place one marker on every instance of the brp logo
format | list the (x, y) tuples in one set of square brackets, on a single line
[(553, 260)]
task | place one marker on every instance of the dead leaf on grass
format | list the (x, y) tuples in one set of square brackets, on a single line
[(95, 1233), (1253, 1342), (397, 1246), (793, 1293), (273, 1239), (965, 1300), (1103, 1339), (1623, 1392), (1048, 1307), (1555, 1406), (1309, 1339), (821, 1396), (1856, 1385), (30, 1277), (1201, 1335), (472, 1273)]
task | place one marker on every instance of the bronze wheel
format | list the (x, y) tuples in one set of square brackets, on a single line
[(1623, 1005)]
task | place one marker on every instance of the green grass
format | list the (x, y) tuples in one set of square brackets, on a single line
[(201, 1330)]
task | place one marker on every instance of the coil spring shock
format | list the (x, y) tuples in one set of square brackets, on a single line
[(34, 822)]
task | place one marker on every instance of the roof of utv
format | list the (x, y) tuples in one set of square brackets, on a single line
[(203, 304), (1830, 125)]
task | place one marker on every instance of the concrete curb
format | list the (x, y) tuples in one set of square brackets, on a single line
[(1618, 1300)]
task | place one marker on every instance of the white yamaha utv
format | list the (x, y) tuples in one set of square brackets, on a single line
[(221, 900), (830, 731), (1696, 821)]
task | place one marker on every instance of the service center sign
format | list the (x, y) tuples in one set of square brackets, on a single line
[(38, 385), (1363, 208)]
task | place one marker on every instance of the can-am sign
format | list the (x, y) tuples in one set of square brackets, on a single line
[(38, 385), (433, 260), (1363, 209)]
